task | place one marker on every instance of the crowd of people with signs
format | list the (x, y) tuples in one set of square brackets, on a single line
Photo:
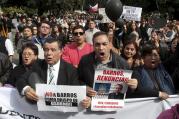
[(96, 64)]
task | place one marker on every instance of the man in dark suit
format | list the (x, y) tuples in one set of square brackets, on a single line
[(53, 70)]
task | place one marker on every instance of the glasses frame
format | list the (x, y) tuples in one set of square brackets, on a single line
[(78, 33)]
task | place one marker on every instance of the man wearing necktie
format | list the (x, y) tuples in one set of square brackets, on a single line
[(51, 76), (52, 70)]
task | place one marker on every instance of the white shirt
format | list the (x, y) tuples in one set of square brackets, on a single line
[(9, 47), (56, 68), (55, 72), (89, 35)]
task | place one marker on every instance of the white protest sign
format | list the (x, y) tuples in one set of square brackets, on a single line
[(111, 89), (106, 104), (131, 13), (105, 17), (60, 97)]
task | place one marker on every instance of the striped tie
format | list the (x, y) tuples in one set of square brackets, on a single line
[(51, 75)]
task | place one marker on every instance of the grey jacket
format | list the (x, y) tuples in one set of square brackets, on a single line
[(5, 68)]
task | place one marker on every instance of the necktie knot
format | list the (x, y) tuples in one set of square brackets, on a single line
[(51, 68)]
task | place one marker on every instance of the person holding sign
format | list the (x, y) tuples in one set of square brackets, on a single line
[(152, 76), (52, 71), (102, 57)]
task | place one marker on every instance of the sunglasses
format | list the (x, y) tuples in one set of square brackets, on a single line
[(76, 33)]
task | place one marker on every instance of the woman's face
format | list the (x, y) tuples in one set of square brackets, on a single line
[(55, 28), (133, 26), (28, 56), (154, 36), (152, 60), (129, 50), (174, 44), (110, 36)]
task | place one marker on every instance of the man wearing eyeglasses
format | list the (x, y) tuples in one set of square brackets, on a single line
[(73, 52), (44, 33)]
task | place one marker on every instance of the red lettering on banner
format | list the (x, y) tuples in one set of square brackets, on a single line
[(48, 94), (96, 106), (99, 77), (111, 103), (112, 72), (100, 102), (112, 78)]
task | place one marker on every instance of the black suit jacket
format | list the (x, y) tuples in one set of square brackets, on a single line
[(67, 75)]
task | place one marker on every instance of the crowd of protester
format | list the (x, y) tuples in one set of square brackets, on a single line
[(80, 44)]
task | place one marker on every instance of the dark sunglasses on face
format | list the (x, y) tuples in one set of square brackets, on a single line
[(76, 33)]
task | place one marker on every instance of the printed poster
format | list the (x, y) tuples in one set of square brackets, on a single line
[(111, 88), (131, 13), (61, 98), (105, 17)]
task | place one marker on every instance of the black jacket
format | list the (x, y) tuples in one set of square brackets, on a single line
[(67, 75), (86, 67)]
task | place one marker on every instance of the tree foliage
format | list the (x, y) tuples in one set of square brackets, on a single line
[(56, 6)]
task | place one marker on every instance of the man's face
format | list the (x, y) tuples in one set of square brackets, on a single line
[(45, 29), (102, 47), (79, 36), (52, 53), (34, 30), (92, 25), (119, 88), (27, 33)]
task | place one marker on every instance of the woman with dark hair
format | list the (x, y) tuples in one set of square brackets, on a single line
[(153, 79), (29, 56), (130, 52), (171, 61), (157, 42), (134, 29), (115, 45), (57, 34)]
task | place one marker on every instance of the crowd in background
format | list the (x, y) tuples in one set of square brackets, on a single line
[(152, 53)]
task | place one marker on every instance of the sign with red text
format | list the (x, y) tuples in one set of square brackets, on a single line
[(111, 88), (61, 98)]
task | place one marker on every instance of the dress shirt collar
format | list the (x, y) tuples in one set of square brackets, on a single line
[(55, 66)]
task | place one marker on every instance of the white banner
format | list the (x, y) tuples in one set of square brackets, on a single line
[(105, 17), (131, 13), (13, 106), (61, 98)]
